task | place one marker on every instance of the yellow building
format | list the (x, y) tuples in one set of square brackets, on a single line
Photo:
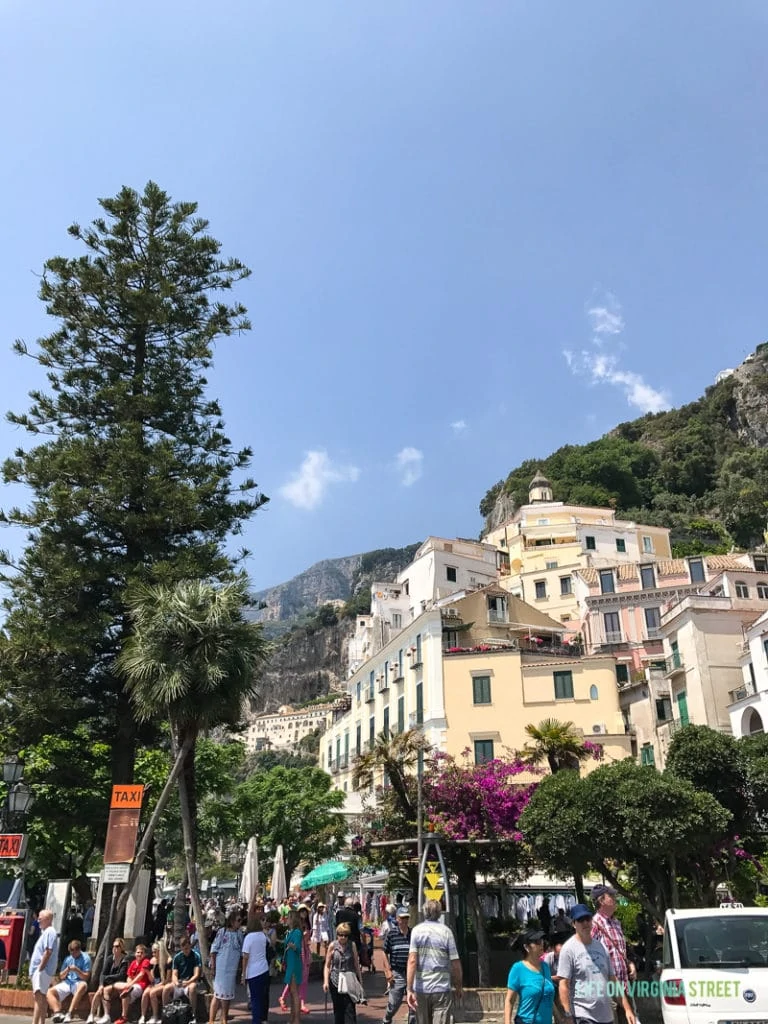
[(546, 541), (472, 672)]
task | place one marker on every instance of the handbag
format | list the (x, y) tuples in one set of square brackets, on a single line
[(349, 985)]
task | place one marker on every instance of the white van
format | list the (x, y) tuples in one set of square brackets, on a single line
[(715, 966)]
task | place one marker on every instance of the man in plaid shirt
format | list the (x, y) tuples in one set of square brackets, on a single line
[(608, 930)]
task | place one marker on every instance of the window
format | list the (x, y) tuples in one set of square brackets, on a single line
[(762, 590), (563, 685), (371, 731), (607, 582), (483, 751), (621, 545), (742, 590), (418, 649), (647, 756), (497, 609), (420, 704), (330, 754), (407, 588), (612, 627), (760, 563), (647, 577), (622, 674), (752, 678), (566, 586), (551, 565), (338, 748), (386, 675), (401, 714), (589, 543), (359, 737), (481, 689), (386, 719), (696, 565), (542, 522), (541, 589), (647, 545), (359, 690), (593, 692), (663, 709), (450, 573), (652, 620), (397, 620), (765, 648)]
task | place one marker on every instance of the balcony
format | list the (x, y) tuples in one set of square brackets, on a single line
[(741, 693), (370, 695), (333, 766), (383, 685), (416, 664), (497, 617), (613, 638), (548, 647), (674, 665), (343, 762), (398, 677)]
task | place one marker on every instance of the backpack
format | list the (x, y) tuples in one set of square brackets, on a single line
[(178, 1012)]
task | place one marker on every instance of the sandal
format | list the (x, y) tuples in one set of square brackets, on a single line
[(283, 1007)]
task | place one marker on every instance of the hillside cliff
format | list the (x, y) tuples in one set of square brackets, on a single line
[(310, 638), (701, 470)]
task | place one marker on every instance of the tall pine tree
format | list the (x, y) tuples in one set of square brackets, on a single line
[(132, 477)]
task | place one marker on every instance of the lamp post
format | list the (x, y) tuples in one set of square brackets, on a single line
[(13, 815)]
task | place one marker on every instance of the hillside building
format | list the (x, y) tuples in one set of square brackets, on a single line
[(749, 710), (284, 728), (546, 542)]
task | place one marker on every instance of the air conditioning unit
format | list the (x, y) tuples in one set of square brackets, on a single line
[(601, 727)]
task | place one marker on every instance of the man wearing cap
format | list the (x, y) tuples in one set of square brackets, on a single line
[(607, 929), (585, 970), (397, 945), (433, 966)]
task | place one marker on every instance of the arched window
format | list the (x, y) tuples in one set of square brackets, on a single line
[(742, 590), (593, 692), (762, 590)]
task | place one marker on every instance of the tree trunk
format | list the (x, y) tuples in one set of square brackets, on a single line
[(141, 853), (469, 883), (578, 884), (186, 800), (179, 909)]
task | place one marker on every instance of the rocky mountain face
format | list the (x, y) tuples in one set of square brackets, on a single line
[(310, 649)]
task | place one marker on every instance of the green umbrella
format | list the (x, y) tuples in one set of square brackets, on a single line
[(324, 874)]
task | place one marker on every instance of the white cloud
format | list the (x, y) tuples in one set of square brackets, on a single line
[(602, 365), (410, 463), (458, 427), (307, 487)]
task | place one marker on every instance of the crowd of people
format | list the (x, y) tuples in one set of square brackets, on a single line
[(576, 971)]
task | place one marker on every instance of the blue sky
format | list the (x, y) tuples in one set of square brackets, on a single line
[(478, 230)]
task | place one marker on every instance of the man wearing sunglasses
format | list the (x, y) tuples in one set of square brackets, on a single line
[(587, 977)]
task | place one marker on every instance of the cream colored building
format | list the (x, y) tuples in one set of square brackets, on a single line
[(546, 541), (749, 710), (473, 671), (703, 641), (282, 729)]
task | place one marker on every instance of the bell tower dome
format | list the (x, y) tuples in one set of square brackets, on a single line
[(540, 489)]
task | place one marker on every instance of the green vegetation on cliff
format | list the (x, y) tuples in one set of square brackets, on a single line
[(701, 469)]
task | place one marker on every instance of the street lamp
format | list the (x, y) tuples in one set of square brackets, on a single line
[(13, 770)]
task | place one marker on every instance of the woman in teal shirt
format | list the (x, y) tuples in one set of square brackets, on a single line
[(294, 941), (530, 984)]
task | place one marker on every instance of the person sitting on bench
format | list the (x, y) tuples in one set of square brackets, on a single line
[(72, 988), (187, 968)]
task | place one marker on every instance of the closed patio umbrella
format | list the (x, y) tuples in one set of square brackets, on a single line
[(250, 878), (279, 888)]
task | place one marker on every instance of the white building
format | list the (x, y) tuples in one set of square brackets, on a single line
[(282, 729), (749, 711)]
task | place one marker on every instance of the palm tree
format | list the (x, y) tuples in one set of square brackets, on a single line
[(556, 742), (193, 656), (393, 754)]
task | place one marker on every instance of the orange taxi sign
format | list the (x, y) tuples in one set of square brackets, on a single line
[(127, 797)]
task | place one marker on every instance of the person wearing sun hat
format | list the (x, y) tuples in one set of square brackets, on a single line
[(530, 990), (585, 970)]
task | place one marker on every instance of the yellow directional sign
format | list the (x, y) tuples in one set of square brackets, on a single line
[(433, 865), (433, 894), (432, 878)]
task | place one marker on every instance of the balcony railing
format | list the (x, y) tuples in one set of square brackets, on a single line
[(747, 690), (614, 637), (548, 647), (370, 696), (498, 617), (398, 677), (674, 664), (333, 766), (343, 762), (383, 685)]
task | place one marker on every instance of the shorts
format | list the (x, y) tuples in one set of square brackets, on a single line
[(64, 989), (41, 982), (179, 992), (133, 993)]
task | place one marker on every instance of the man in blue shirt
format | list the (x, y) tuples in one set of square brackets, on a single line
[(397, 945), (73, 984)]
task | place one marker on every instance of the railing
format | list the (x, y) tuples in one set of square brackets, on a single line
[(614, 638), (497, 616), (343, 762), (674, 663), (333, 766), (548, 647), (654, 632), (399, 677), (741, 692), (370, 695), (383, 685)]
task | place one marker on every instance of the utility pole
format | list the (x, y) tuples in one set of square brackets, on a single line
[(419, 829)]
